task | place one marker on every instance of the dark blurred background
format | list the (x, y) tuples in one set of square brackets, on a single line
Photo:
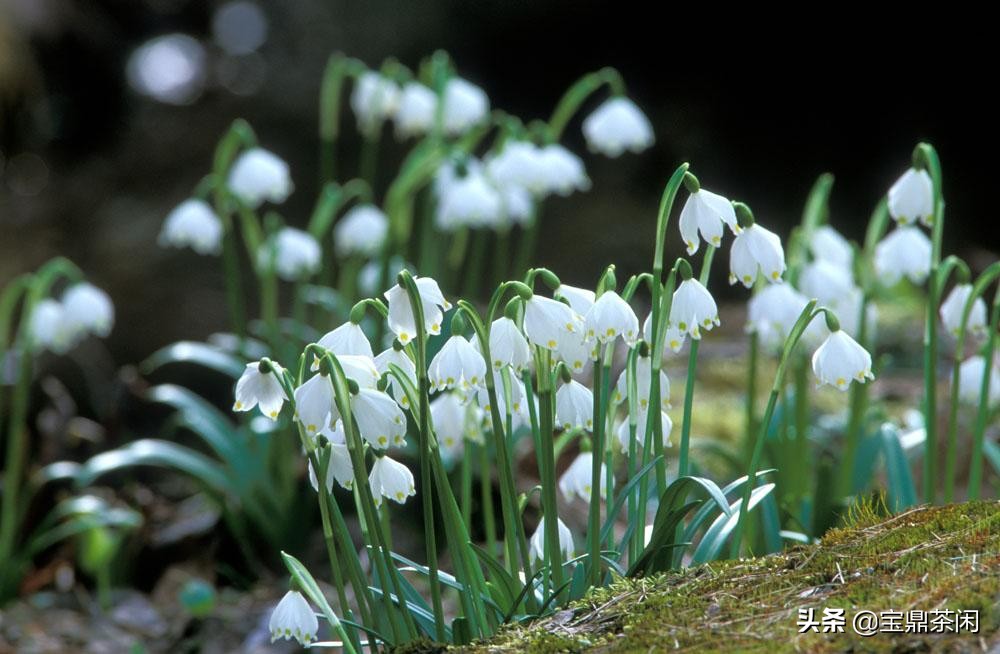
[(90, 166)]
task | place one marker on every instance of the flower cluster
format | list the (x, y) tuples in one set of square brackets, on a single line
[(59, 325)]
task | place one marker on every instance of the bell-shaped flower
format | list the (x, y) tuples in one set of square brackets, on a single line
[(256, 388), (471, 200), (911, 198), (361, 232), (402, 322), (840, 360), (339, 467), (580, 299), (257, 176), (538, 541), (643, 377), (465, 105), (624, 430), (449, 417), (192, 224), (561, 170), (756, 250), (549, 323), (518, 206), (314, 404), (617, 125), (348, 339), (380, 420), (293, 618), (904, 252), (706, 213), (825, 281), (952, 308), (360, 368), (518, 164), (673, 338), (392, 356), (970, 381), (87, 308), (391, 479), (609, 318), (518, 405), (829, 245), (848, 310), (577, 352), (415, 113), (773, 311), (292, 253), (693, 309), (49, 328), (575, 406), (578, 477), (457, 365), (508, 346), (374, 99)]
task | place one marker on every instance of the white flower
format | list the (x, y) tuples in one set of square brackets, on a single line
[(970, 381), (465, 104), (370, 276), (575, 406), (469, 201), (380, 420), (339, 467), (361, 231), (611, 317), (773, 311), (349, 338), (257, 388), (518, 164), (415, 114), (825, 281), (373, 100), (508, 347), (293, 618), (577, 352), (518, 206), (754, 250), (295, 254), (578, 476), (518, 407), (953, 307), (911, 198), (580, 299), (840, 359), (87, 308), (392, 356), (49, 327), (390, 479), (538, 540), (616, 126), (829, 245), (549, 323), (848, 310), (314, 404), (448, 417), (904, 252), (360, 368), (401, 319), (693, 309), (673, 338), (258, 176), (643, 378), (561, 170), (666, 426), (457, 365), (706, 212), (192, 224)]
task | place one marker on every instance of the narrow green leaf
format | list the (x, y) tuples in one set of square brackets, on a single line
[(720, 530), (153, 452), (200, 354), (902, 491)]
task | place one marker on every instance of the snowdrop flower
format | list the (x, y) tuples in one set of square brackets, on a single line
[(904, 252), (825, 281), (49, 328), (549, 323), (754, 250), (314, 404), (392, 356), (706, 212), (361, 231), (87, 308), (258, 176), (561, 170), (380, 420), (391, 479), (609, 318), (339, 467), (911, 198), (469, 201), (260, 387), (693, 308), (293, 253), (773, 311), (624, 431), (293, 618), (538, 540), (616, 126), (953, 307), (580, 299), (840, 359), (349, 338), (829, 245), (576, 352), (575, 406), (415, 114), (508, 347), (192, 224), (457, 365), (673, 338), (518, 407), (465, 104), (448, 417), (374, 99), (578, 476), (518, 164), (359, 368), (401, 319), (643, 377), (848, 309), (970, 381)]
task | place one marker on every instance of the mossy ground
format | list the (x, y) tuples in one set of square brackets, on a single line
[(923, 559)]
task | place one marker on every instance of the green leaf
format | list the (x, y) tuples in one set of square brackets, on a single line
[(720, 530), (902, 492), (77, 515), (200, 354), (704, 512), (200, 417), (154, 452), (992, 453), (501, 578), (622, 496)]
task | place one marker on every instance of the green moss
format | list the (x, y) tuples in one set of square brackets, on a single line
[(926, 558)]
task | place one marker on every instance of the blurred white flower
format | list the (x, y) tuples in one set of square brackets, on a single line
[(448, 415), (970, 381), (465, 104), (693, 309), (561, 170), (49, 327), (415, 114), (643, 378), (293, 254), (575, 406), (705, 213), (825, 281), (373, 99), (952, 308), (578, 477), (258, 176), (904, 252), (911, 198), (756, 250), (392, 356), (87, 308), (577, 351), (840, 360), (538, 540), (361, 231), (773, 311), (391, 479), (617, 125), (293, 618), (469, 201), (829, 245), (192, 224), (666, 426), (402, 322), (519, 163), (257, 388)]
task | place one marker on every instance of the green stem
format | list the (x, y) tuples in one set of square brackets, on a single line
[(486, 492), (976, 464), (466, 486), (577, 94), (594, 513), (751, 418), (546, 465), (682, 459)]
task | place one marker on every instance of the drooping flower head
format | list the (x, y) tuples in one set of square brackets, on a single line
[(773, 311), (538, 540), (693, 309), (624, 430), (192, 224), (259, 386), (374, 99), (954, 305), (970, 381), (911, 198), (508, 346), (293, 618), (756, 251), (258, 176), (549, 323), (705, 213), (562, 171), (906, 252), (829, 245), (391, 479), (575, 406), (361, 231), (465, 105), (401, 319), (611, 317), (457, 365), (349, 339), (293, 253), (616, 126), (415, 114), (380, 420), (87, 308), (576, 481), (840, 360)]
